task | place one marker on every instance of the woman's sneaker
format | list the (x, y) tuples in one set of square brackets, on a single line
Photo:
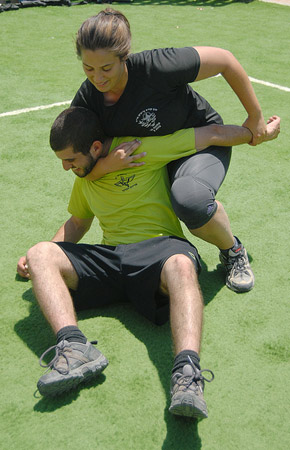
[(187, 392), (239, 276), (73, 364)]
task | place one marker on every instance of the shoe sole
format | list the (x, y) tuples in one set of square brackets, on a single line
[(239, 289), (84, 373), (187, 410)]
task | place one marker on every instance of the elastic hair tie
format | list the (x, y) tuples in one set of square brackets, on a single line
[(108, 13)]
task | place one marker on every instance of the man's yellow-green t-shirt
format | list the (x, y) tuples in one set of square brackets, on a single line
[(133, 205)]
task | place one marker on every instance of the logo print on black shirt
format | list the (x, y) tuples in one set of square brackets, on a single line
[(125, 182), (147, 119)]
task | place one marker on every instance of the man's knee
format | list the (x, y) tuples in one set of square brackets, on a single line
[(48, 259), (41, 253), (193, 201), (178, 268), (180, 263)]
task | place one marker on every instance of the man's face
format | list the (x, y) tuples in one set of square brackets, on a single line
[(79, 163)]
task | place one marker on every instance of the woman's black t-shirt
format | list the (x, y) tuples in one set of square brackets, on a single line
[(157, 99)]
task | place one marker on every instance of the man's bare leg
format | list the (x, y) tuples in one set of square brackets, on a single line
[(52, 274), (179, 281), (76, 360)]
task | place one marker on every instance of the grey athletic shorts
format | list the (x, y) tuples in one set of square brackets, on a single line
[(195, 181), (109, 274)]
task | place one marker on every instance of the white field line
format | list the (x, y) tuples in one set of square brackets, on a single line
[(35, 108), (266, 83), (52, 105)]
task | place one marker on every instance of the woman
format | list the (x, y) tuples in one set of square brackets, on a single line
[(147, 94)]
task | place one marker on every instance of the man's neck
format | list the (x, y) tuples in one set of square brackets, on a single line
[(106, 146)]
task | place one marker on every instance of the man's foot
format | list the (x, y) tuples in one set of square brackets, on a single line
[(239, 277), (73, 364), (187, 392)]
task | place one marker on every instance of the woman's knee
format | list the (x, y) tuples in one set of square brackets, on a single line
[(193, 201)]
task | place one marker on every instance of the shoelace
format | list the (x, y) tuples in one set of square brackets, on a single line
[(238, 263), (60, 350), (187, 380)]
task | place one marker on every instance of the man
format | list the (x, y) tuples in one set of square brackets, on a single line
[(144, 256)]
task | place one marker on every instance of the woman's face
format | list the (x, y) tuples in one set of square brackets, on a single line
[(106, 71)]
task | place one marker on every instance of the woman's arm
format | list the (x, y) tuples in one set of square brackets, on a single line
[(214, 61)]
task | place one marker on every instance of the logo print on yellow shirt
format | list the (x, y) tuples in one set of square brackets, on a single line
[(125, 181)]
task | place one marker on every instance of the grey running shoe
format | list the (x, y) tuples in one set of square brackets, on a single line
[(239, 277), (187, 392), (73, 364)]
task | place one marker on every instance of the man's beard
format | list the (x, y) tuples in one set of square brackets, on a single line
[(89, 167)]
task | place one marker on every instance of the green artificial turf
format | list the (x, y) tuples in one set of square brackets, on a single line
[(245, 338)]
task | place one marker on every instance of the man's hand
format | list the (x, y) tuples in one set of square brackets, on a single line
[(22, 268), (273, 128)]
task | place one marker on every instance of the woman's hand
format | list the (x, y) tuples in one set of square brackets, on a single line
[(258, 128), (122, 156)]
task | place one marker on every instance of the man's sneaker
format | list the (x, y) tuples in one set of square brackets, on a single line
[(187, 392), (73, 364), (239, 277)]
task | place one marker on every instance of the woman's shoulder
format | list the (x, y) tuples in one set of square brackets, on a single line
[(173, 66), (86, 86), (85, 94), (146, 55), (162, 59)]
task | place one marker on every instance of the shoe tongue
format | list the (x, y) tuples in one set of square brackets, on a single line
[(234, 252), (187, 370)]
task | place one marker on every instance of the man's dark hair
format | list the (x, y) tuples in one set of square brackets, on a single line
[(76, 127)]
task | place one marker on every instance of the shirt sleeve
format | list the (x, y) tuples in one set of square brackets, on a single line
[(173, 66), (163, 149), (78, 205)]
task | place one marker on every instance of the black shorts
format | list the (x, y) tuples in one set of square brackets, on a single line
[(109, 274)]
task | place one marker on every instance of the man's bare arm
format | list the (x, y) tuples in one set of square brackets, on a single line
[(229, 135), (73, 230)]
